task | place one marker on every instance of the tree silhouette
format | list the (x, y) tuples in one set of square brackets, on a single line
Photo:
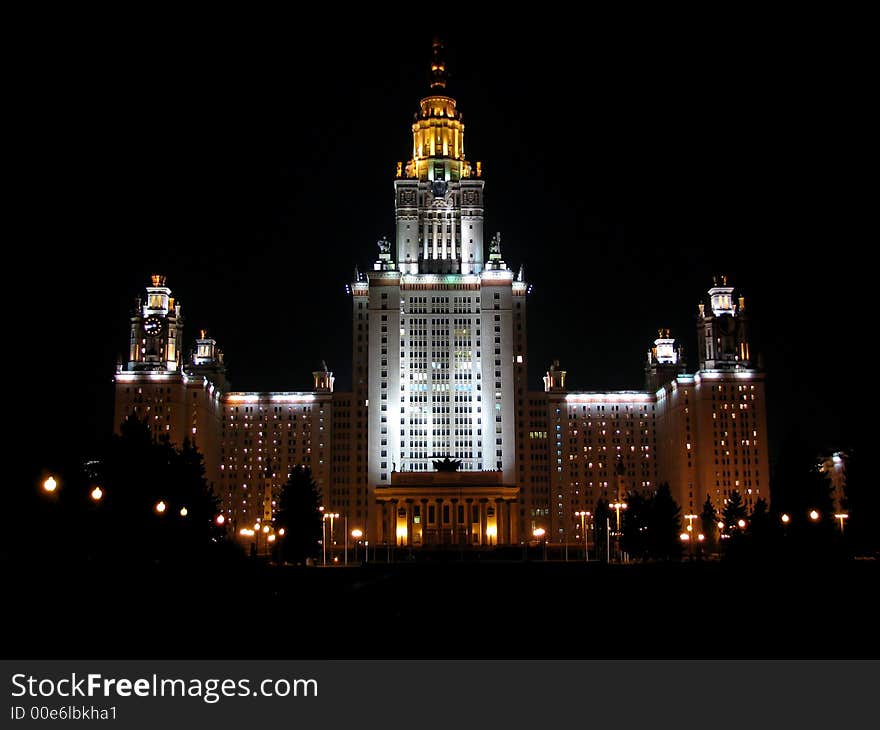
[(635, 526), (734, 511), (136, 474), (760, 528), (664, 525), (300, 517), (601, 527), (709, 522), (862, 504)]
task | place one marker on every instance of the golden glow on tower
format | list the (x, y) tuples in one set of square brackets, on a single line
[(438, 132)]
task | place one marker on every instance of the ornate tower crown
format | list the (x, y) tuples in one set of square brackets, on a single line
[(664, 348), (721, 297), (438, 131)]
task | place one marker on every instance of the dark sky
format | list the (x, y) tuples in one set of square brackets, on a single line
[(256, 172)]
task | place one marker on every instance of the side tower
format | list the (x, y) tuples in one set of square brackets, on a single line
[(178, 398), (713, 424), (150, 385)]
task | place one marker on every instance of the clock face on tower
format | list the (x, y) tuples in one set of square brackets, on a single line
[(152, 326)]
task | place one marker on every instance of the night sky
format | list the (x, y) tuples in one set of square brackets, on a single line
[(257, 172)]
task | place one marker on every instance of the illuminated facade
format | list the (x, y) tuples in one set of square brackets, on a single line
[(439, 360)]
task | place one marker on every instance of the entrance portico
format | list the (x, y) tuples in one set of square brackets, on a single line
[(447, 508)]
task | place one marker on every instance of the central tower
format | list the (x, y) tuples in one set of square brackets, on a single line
[(438, 198), (439, 333)]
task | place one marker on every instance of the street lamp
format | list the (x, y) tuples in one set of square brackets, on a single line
[(325, 516), (841, 516), (539, 534), (582, 515), (357, 535), (161, 507), (617, 506), (814, 515), (96, 494), (690, 531), (50, 485)]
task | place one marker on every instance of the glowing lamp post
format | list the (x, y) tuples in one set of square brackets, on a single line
[(583, 515), (690, 532), (357, 535), (540, 534), (50, 485), (841, 516), (617, 506), (327, 516), (97, 494)]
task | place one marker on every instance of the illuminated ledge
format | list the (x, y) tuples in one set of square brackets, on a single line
[(134, 376), (408, 279), (293, 397), (721, 374), (497, 274), (611, 396)]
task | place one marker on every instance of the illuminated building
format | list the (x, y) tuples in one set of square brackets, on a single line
[(439, 366)]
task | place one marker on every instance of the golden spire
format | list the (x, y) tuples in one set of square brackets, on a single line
[(438, 66)]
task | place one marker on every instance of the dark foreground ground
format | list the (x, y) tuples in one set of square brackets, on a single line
[(478, 609)]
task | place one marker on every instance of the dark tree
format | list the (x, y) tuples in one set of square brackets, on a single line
[(602, 528), (664, 525), (300, 516), (862, 504), (137, 474), (734, 511), (709, 522), (635, 526), (799, 487), (760, 528)]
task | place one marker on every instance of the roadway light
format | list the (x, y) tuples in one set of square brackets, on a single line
[(161, 506), (96, 494), (814, 515), (50, 485)]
